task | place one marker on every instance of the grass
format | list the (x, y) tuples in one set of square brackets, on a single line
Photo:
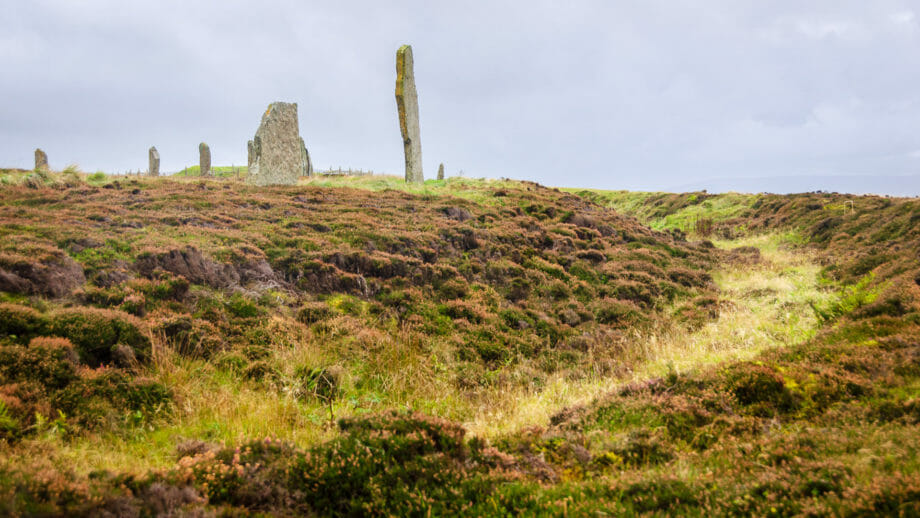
[(762, 306), (481, 190), (460, 358), (687, 212), (770, 371), (217, 171)]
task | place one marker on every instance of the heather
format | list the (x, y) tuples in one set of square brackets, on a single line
[(358, 346)]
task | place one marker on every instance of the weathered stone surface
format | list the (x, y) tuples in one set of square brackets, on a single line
[(307, 164), (204, 159), (407, 104), (41, 160), (153, 156), (249, 150), (278, 153), (441, 172)]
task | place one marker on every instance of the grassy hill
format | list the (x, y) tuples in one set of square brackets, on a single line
[(217, 171), (362, 346)]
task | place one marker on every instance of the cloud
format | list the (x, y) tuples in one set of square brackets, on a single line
[(904, 18), (592, 93)]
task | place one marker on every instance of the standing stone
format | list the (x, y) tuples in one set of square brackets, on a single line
[(441, 171), (204, 159), (154, 162), (407, 104), (41, 160), (307, 164), (277, 153)]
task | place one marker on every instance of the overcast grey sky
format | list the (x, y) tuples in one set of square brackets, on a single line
[(612, 94)]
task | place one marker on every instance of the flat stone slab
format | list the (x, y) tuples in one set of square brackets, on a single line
[(277, 153)]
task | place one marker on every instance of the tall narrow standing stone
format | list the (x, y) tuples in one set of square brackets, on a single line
[(204, 159), (249, 148), (307, 164), (278, 154), (407, 104), (441, 171), (154, 162), (41, 160)]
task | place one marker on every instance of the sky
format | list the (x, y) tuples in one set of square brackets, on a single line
[(610, 94)]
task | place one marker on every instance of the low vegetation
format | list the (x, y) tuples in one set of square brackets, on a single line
[(216, 171), (358, 346)]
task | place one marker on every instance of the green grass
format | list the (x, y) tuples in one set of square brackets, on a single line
[(218, 171), (656, 209), (762, 306), (794, 392), (480, 190)]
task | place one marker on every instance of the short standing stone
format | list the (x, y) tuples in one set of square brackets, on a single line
[(154, 162), (441, 172), (277, 151), (407, 104), (204, 159), (41, 160)]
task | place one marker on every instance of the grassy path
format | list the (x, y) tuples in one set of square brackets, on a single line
[(762, 305)]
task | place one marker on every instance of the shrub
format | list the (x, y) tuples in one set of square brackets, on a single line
[(643, 447), (557, 290), (616, 312), (241, 307), (491, 352), (191, 337), (393, 464), (47, 362), (688, 278), (96, 332), (96, 178), (760, 388), (518, 289), (320, 382), (662, 494), (20, 323), (849, 299), (104, 399), (394, 458), (453, 289), (458, 309), (641, 293), (704, 227), (313, 312)]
